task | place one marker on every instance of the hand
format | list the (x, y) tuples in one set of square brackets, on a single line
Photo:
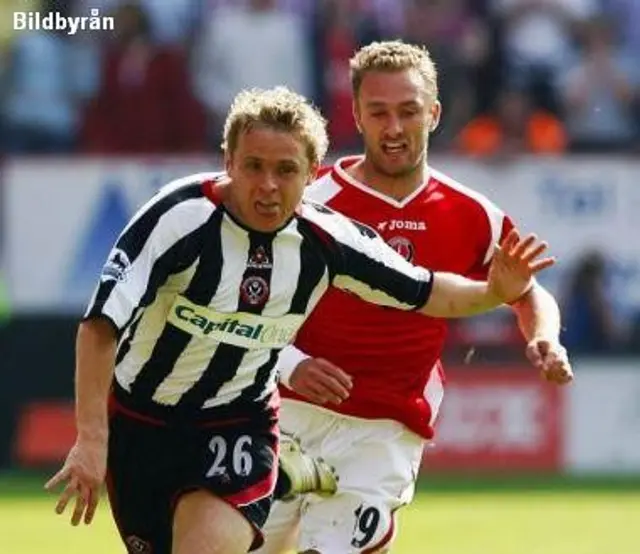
[(514, 264), (320, 381), (551, 359), (83, 471)]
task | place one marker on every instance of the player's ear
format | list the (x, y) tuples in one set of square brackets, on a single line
[(227, 161), (356, 114), (313, 172), (436, 113)]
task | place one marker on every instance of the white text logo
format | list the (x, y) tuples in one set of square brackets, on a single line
[(55, 21), (398, 224)]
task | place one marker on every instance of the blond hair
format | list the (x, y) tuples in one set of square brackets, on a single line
[(393, 55), (281, 109)]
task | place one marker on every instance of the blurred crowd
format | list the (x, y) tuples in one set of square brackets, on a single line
[(516, 76), (544, 76)]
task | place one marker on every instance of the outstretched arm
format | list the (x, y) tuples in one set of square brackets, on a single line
[(511, 273)]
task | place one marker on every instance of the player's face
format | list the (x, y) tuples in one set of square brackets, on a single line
[(269, 170), (395, 115)]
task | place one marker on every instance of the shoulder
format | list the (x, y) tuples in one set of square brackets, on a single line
[(190, 191), (333, 223), (181, 205), (465, 199), (324, 188)]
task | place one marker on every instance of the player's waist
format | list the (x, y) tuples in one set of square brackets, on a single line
[(415, 413), (147, 411)]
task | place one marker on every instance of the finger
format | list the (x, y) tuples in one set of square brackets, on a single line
[(327, 394), (81, 502), (551, 361), (92, 505), (315, 392), (66, 495), (534, 252), (333, 387), (57, 478), (523, 245), (338, 374), (539, 265), (534, 356), (510, 240), (312, 395)]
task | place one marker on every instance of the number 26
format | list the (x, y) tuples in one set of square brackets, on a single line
[(241, 460)]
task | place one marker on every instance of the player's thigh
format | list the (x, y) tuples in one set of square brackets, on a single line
[(206, 524), (151, 468), (377, 462), (239, 466), (281, 530), (308, 423), (140, 485)]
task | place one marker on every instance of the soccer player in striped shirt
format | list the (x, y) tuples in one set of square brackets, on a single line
[(176, 377)]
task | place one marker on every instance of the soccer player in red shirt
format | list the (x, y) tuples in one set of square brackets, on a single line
[(377, 372)]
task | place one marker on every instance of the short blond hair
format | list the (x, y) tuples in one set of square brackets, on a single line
[(393, 55), (281, 109)]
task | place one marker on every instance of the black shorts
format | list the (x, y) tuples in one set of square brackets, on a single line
[(150, 464)]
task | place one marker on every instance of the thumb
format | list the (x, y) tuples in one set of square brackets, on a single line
[(534, 354), (543, 347)]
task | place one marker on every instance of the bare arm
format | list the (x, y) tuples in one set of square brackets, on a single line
[(455, 296), (85, 468), (538, 314), (539, 320), (511, 273), (95, 360)]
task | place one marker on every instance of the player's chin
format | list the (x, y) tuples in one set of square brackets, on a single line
[(268, 219), (397, 166)]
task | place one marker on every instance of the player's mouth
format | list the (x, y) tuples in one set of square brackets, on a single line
[(267, 209), (394, 148)]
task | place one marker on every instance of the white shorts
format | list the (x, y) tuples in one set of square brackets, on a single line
[(377, 462)]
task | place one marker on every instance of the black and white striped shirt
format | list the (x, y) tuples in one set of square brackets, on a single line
[(203, 304)]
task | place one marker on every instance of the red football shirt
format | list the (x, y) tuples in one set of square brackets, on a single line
[(393, 356)]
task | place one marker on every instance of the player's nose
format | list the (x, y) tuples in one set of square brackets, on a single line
[(394, 127), (269, 184)]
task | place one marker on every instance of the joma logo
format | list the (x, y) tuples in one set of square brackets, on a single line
[(406, 224)]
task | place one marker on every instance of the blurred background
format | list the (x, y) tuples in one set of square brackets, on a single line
[(541, 113)]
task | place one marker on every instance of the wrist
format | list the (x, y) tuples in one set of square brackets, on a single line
[(546, 336), (522, 295), (92, 432), (289, 359)]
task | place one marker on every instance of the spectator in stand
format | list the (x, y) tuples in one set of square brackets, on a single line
[(144, 104), (537, 42), (259, 45), (171, 22), (589, 326), (600, 92), (7, 31), (458, 42), (516, 128), (342, 28), (43, 91), (625, 15)]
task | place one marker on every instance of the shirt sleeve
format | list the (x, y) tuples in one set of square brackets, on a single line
[(147, 251), (363, 264), (487, 226)]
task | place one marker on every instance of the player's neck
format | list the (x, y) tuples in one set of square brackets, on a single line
[(397, 188)]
